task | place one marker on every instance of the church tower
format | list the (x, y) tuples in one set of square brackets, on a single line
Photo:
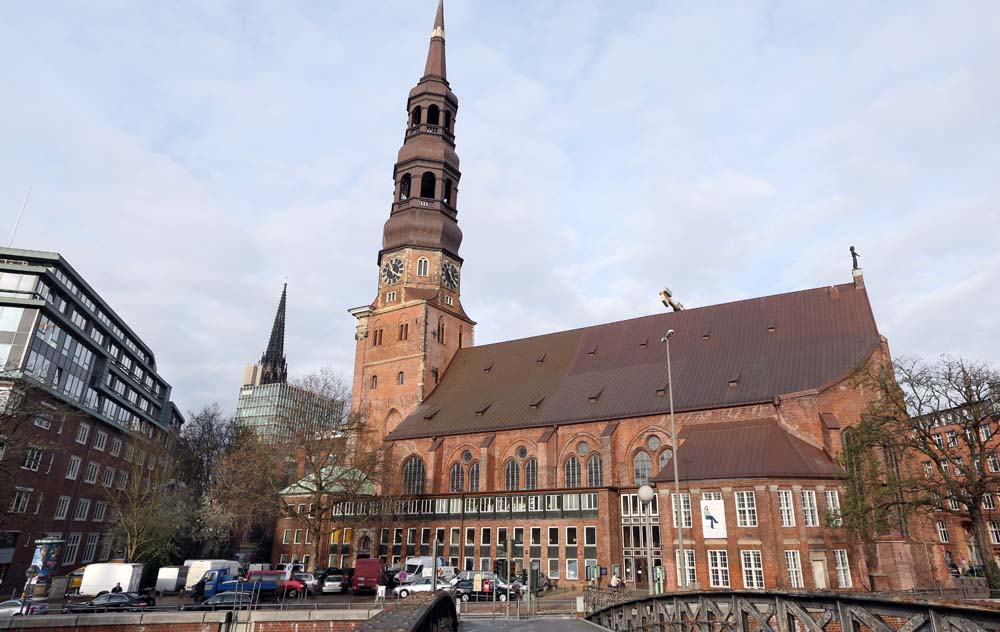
[(408, 335)]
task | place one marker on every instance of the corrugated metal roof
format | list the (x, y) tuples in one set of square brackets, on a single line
[(757, 448), (723, 355)]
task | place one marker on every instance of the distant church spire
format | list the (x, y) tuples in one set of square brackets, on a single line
[(274, 369), (435, 66)]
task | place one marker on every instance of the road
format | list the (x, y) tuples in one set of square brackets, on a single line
[(546, 624)]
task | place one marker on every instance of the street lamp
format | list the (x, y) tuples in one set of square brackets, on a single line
[(678, 504), (646, 496)]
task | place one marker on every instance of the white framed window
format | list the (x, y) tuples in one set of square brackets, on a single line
[(685, 508), (590, 536), (928, 469), (536, 536), (711, 495), (942, 530), (122, 479), (692, 572), (390, 297), (109, 476), (753, 569), (44, 421), (93, 469), (833, 508), (554, 568), (62, 507), (993, 462), (90, 548), (73, 469), (449, 300), (810, 514), (470, 536), (116, 446), (994, 531), (20, 502), (100, 440), (484, 564), (83, 433), (456, 536), (989, 502), (553, 536), (588, 501), (411, 535), (72, 547), (100, 507), (718, 569), (33, 460), (82, 509), (793, 564), (423, 265), (297, 537), (746, 509), (843, 568), (984, 432), (786, 508), (308, 536), (572, 569)]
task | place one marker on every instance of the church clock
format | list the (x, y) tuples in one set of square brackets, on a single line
[(392, 271), (449, 275)]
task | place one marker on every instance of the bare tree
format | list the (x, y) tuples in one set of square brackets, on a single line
[(926, 444)]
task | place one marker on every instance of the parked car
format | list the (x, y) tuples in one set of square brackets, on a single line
[(334, 584), (309, 581), (369, 574), (223, 601), (112, 602), (464, 590), (18, 607), (419, 584), (515, 586)]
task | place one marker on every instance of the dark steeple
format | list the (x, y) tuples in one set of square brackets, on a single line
[(273, 368), (425, 207)]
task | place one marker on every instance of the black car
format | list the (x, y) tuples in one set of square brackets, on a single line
[(464, 590), (112, 602), (223, 601)]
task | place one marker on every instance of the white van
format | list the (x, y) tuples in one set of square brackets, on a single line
[(423, 567)]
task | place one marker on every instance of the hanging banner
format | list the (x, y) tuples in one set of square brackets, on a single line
[(713, 519)]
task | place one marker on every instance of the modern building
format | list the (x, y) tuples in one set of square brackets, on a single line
[(91, 383), (533, 451)]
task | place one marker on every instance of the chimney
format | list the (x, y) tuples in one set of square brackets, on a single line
[(669, 301), (859, 278)]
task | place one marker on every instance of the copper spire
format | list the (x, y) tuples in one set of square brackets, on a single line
[(435, 54), (274, 369)]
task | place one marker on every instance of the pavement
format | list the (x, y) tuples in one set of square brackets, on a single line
[(547, 624)]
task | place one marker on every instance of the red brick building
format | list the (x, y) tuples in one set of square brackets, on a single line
[(543, 442)]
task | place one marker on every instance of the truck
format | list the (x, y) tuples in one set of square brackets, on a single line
[(369, 573), (171, 579), (101, 578), (261, 583), (198, 568)]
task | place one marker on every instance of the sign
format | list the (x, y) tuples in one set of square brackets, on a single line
[(46, 557), (477, 582), (713, 519)]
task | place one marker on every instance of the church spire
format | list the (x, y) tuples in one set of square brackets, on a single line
[(435, 66), (274, 369)]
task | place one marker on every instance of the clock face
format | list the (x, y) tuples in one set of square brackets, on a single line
[(449, 275), (392, 271)]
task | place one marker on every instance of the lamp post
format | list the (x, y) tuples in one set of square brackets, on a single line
[(646, 495), (678, 502)]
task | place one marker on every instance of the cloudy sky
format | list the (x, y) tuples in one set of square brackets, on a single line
[(187, 158)]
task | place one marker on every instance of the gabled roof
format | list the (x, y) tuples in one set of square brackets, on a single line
[(758, 448), (723, 355)]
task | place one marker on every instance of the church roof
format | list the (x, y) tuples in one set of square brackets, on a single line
[(724, 355), (757, 448)]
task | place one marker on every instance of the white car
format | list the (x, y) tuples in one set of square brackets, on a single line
[(309, 580), (419, 584), (334, 584), (17, 607)]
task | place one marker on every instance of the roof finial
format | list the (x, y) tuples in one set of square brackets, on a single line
[(274, 369), (435, 54), (859, 279)]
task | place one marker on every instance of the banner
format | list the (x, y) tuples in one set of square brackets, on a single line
[(713, 519)]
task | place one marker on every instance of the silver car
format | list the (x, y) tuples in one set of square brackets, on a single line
[(334, 584), (18, 607)]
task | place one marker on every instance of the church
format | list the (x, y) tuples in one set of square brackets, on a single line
[(532, 451)]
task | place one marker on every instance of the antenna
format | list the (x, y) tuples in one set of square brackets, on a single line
[(19, 214)]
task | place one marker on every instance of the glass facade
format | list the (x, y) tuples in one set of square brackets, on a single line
[(269, 409)]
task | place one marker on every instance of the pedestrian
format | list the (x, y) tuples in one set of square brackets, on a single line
[(117, 588), (616, 581)]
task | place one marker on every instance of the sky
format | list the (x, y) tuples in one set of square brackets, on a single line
[(187, 158)]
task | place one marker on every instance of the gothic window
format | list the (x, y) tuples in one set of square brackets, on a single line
[(642, 468), (374, 382), (447, 120), (399, 378), (461, 330), (404, 331), (664, 458), (447, 191), (531, 474), (595, 471), (440, 331), (423, 265), (415, 120), (572, 469), (474, 477), (457, 478), (404, 187), (427, 182), (377, 337), (413, 476), (512, 475), (433, 115)]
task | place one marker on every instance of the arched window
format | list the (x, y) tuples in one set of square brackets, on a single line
[(595, 471), (413, 476), (447, 120), (447, 191), (423, 266), (572, 469), (457, 478), (415, 119), (374, 382), (474, 477), (433, 115), (664, 458), (512, 475), (404, 187), (399, 378), (427, 182), (642, 468), (531, 474), (440, 330)]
